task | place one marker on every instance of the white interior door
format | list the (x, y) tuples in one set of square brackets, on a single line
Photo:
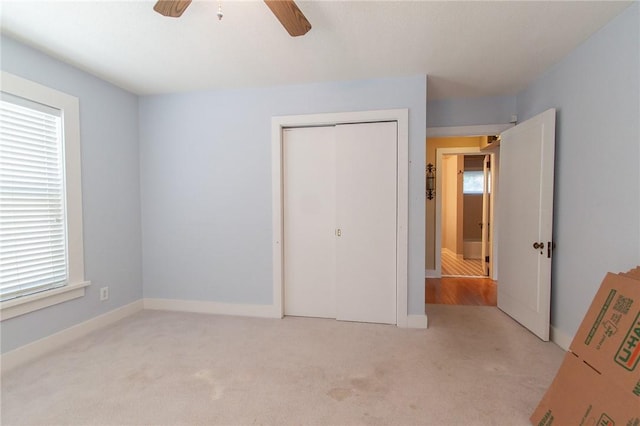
[(525, 214), (366, 158), (309, 213)]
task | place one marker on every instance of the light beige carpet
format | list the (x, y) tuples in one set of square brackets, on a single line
[(473, 366)]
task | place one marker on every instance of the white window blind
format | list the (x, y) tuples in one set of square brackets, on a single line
[(33, 253)]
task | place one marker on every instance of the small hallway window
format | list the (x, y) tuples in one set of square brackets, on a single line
[(473, 182)]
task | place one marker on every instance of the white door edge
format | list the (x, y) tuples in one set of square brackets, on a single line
[(485, 213), (401, 116)]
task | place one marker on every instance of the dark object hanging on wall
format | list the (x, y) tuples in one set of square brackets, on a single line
[(431, 181)]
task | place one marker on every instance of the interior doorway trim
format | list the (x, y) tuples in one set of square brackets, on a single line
[(460, 131), (401, 116)]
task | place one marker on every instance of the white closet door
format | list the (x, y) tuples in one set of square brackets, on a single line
[(366, 159), (309, 214)]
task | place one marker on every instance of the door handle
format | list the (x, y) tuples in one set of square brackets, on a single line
[(538, 246)]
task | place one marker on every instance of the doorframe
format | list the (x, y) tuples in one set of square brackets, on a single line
[(461, 131), (401, 116)]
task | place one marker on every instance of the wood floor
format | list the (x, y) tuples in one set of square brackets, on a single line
[(461, 291)]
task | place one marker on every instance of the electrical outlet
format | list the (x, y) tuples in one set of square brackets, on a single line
[(104, 293)]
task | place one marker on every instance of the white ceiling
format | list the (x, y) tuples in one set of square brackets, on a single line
[(468, 49)]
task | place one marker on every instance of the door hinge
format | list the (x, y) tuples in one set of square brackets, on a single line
[(486, 259), (338, 232)]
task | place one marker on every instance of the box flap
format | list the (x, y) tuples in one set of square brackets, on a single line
[(609, 337), (580, 395), (634, 273)]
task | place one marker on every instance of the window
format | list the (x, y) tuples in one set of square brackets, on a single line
[(41, 248), (33, 254), (473, 182)]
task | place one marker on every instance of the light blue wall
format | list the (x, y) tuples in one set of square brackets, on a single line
[(206, 184), (470, 112), (597, 187), (110, 188), (217, 214), (595, 90), (203, 182)]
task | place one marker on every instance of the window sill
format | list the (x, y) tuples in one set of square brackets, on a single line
[(26, 304)]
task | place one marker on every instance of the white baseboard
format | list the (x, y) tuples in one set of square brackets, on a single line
[(261, 311), (42, 346), (559, 338), (47, 344), (431, 273), (417, 321)]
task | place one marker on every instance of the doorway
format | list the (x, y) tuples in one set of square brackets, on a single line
[(450, 208), (525, 199), (463, 266), (464, 198)]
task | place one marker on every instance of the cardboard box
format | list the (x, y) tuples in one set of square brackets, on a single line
[(599, 380), (579, 395), (609, 337)]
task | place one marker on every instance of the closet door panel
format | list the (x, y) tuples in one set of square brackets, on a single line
[(366, 200), (309, 213)]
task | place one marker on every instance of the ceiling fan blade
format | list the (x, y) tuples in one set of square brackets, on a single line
[(171, 8), (290, 16)]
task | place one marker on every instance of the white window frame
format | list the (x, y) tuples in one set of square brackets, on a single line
[(70, 112)]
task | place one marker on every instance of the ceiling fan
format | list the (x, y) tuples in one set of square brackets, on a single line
[(287, 12)]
